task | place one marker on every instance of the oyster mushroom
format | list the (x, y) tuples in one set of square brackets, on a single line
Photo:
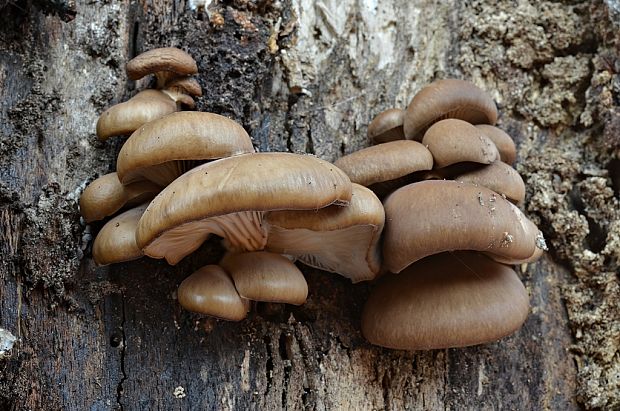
[(449, 98), (106, 195), (116, 241), (430, 217), (387, 126), (228, 197), (165, 62), (342, 240), (163, 149), (387, 166), (443, 301)]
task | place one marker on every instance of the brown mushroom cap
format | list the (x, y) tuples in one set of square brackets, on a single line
[(504, 143), (387, 126), (116, 241), (448, 98), (211, 291), (165, 62), (430, 217), (499, 177), (185, 85), (447, 300), (163, 149), (106, 195), (343, 240), (227, 197), (385, 162), (269, 277), (125, 118), (454, 141)]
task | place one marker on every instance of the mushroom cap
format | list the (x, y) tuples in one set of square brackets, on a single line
[(433, 216), (450, 98), (499, 177), (269, 277), (387, 126), (446, 300), (106, 195), (454, 141), (183, 215), (116, 241), (504, 143), (170, 59), (385, 162), (343, 240), (185, 85), (165, 148), (211, 291), (124, 118)]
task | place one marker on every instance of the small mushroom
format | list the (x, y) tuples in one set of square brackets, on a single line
[(166, 63), (106, 195), (387, 166), (184, 85), (499, 177), (163, 149), (211, 291), (446, 300), (228, 197), (434, 216), (116, 241), (387, 126), (504, 143), (268, 277), (125, 118), (454, 141), (342, 240), (448, 98)]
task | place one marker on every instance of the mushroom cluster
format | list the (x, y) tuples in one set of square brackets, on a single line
[(452, 225)]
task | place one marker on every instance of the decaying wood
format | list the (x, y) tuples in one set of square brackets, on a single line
[(300, 76)]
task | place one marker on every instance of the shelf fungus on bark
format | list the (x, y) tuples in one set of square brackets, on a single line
[(444, 301), (106, 195), (162, 150), (228, 197), (165, 63), (449, 98), (342, 240), (384, 168)]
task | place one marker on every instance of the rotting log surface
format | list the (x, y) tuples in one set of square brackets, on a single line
[(301, 76)]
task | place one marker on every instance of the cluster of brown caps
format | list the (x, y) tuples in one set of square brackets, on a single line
[(445, 173), (203, 177), (189, 175)]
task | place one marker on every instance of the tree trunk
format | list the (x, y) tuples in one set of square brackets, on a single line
[(302, 76)]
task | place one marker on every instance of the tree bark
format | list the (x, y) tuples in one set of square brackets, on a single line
[(301, 76)]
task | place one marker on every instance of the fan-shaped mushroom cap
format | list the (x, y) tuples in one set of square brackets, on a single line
[(227, 197), (185, 85), (454, 141), (448, 98), (116, 241), (211, 291), (125, 118), (387, 126), (263, 276), (106, 195), (444, 301), (499, 177), (385, 162), (162, 150), (343, 240), (504, 143), (165, 62), (430, 217)]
